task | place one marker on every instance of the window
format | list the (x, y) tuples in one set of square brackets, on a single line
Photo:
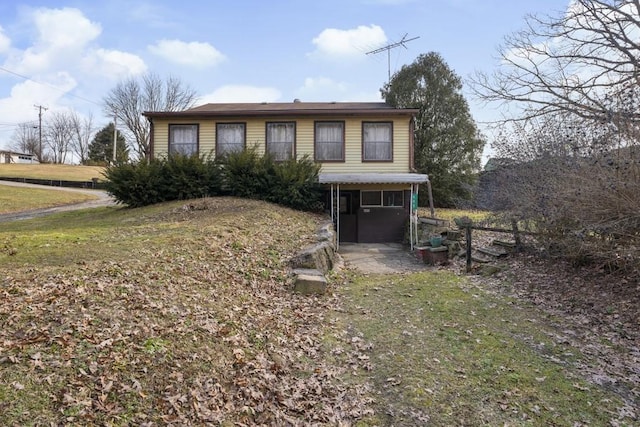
[(281, 138), (377, 141), (230, 137), (329, 141), (386, 198), (183, 139)]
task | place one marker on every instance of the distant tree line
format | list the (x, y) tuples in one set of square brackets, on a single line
[(67, 136)]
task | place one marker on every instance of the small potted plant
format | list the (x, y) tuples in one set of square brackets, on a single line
[(435, 241)]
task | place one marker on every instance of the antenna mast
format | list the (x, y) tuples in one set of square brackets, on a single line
[(388, 49)]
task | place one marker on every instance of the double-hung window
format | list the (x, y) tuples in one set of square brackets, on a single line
[(329, 141), (230, 137), (281, 139), (183, 139), (377, 141)]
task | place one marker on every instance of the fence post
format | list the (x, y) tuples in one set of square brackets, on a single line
[(467, 231), (516, 235)]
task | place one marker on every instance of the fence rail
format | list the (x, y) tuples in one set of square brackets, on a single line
[(468, 227), (93, 184)]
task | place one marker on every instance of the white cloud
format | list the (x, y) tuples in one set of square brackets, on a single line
[(113, 64), (62, 36), (63, 62), (195, 54), (242, 93), (5, 42), (342, 44), (19, 106), (65, 28)]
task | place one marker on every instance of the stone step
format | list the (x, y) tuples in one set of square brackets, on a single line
[(495, 251), (480, 258), (505, 244)]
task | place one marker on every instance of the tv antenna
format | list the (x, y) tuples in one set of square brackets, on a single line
[(388, 48)]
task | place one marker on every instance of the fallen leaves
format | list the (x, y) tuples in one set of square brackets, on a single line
[(197, 326)]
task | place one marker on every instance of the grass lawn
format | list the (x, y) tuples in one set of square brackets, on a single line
[(15, 199), (443, 352), (450, 214), (48, 171), (180, 314)]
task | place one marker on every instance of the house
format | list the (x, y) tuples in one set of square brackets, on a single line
[(365, 150), (14, 157)]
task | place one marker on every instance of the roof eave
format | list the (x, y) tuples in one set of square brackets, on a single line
[(271, 113)]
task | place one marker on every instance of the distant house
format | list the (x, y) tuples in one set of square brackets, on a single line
[(14, 157), (365, 150)]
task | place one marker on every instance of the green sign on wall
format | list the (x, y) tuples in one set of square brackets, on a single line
[(414, 202)]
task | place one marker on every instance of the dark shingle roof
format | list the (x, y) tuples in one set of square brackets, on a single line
[(286, 108)]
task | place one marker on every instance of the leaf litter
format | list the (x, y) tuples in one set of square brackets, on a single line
[(196, 326)]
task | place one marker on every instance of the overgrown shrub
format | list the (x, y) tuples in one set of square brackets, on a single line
[(247, 174), (189, 177), (293, 183), (586, 210), (176, 177), (135, 184)]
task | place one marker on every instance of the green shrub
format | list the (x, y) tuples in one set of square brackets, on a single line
[(293, 183), (176, 177), (190, 177), (135, 184), (247, 174)]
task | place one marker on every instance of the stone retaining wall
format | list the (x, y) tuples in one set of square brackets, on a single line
[(314, 261)]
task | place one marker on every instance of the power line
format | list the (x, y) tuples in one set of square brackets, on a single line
[(50, 85), (388, 48)]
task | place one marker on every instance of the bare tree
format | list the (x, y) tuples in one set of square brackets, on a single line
[(584, 61), (130, 98), (58, 135), (25, 139), (81, 131)]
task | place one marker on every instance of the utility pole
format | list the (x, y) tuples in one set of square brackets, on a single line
[(40, 108), (388, 49), (115, 136)]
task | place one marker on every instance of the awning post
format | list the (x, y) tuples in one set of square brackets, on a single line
[(411, 226), (417, 204), (338, 220)]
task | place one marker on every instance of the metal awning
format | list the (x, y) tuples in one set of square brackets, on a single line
[(412, 180), (372, 178)]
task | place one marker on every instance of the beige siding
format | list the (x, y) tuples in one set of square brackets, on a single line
[(255, 135)]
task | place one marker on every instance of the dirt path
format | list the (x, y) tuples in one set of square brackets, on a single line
[(103, 199)]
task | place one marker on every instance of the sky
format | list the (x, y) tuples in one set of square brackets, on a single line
[(67, 55)]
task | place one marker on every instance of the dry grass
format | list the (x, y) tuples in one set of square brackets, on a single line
[(16, 199), (450, 214), (55, 172)]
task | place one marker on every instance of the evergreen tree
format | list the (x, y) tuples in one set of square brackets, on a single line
[(101, 148), (448, 145)]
